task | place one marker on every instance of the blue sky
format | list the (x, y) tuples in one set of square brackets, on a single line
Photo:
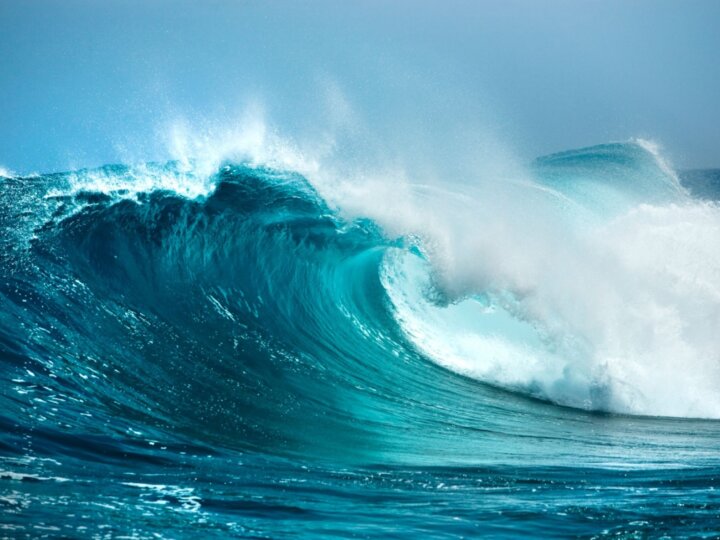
[(92, 82)]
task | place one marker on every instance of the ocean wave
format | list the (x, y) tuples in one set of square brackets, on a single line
[(242, 308), (265, 329)]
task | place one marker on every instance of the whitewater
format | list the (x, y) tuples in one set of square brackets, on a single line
[(247, 342)]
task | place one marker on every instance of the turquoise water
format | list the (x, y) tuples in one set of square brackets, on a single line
[(243, 353)]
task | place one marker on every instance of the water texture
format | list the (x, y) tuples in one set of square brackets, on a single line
[(249, 351)]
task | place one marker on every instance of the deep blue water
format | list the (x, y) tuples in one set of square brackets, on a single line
[(246, 359)]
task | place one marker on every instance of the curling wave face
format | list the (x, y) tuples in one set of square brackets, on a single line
[(256, 311)]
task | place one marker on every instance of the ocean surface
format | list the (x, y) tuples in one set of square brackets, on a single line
[(248, 351)]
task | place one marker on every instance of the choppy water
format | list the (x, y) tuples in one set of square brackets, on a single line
[(243, 354)]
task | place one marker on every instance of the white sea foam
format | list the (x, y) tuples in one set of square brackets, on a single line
[(142, 178), (619, 315)]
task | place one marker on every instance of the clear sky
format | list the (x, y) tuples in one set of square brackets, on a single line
[(91, 82)]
